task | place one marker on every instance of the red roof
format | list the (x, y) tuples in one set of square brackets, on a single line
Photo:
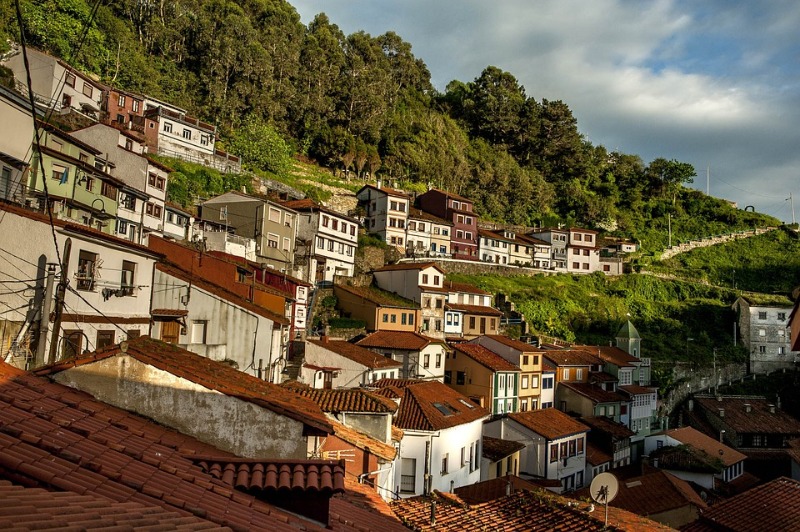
[(432, 405), (594, 393), (386, 190), (495, 449), (210, 374), (608, 426), (345, 400), (360, 355), (514, 344), (419, 214), (365, 442), (712, 447), (480, 310), (409, 266), (324, 476), (380, 297), (489, 490), (572, 357), (404, 340), (486, 358), (759, 420), (771, 506), (453, 286), (612, 354), (308, 205), (596, 456), (549, 422)]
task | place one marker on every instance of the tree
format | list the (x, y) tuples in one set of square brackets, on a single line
[(669, 176), (261, 147)]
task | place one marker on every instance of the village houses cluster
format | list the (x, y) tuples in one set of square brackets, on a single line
[(184, 344)]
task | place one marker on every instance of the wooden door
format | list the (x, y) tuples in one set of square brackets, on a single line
[(170, 330)]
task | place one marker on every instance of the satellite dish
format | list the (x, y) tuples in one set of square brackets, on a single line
[(604, 488)]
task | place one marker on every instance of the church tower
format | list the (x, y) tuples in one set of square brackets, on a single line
[(628, 340)]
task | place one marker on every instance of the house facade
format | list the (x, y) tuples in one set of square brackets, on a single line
[(422, 283), (529, 360), (15, 113), (583, 253), (558, 239), (427, 235), (380, 310), (486, 378), (765, 331), (422, 357), (331, 364), (458, 210), (386, 213)]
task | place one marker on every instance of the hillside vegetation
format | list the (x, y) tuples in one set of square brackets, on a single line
[(364, 106)]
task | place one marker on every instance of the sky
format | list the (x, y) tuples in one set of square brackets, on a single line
[(714, 83)]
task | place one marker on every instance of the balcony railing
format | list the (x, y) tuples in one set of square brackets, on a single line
[(407, 483)]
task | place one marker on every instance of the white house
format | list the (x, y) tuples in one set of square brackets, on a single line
[(558, 239), (329, 241), (14, 149), (422, 357), (555, 445), (583, 255), (422, 283), (764, 331), (107, 299), (386, 213), (427, 235), (177, 222), (338, 364), (441, 445)]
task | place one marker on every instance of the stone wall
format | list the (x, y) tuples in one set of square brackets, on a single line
[(712, 241)]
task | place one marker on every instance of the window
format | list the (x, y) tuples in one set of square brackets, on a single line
[(762, 315), (204, 140), (781, 350), (572, 446), (187, 134), (534, 381), (66, 100), (274, 215), (199, 331), (70, 79), (762, 349), (524, 384), (426, 361), (408, 475), (60, 172), (122, 226), (320, 242), (87, 90), (758, 440), (579, 374), (762, 332), (135, 105), (108, 190), (86, 270), (121, 120), (461, 377), (472, 322), (547, 384), (782, 316), (565, 374), (438, 357), (385, 318), (287, 243), (121, 100), (525, 360), (167, 127), (393, 318), (272, 240), (325, 221), (424, 278), (445, 460), (104, 339), (578, 237), (523, 405), (127, 278), (553, 452), (72, 345), (448, 376)]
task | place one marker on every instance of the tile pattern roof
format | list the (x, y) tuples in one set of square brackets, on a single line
[(358, 354), (596, 456), (324, 476), (403, 340), (210, 374), (489, 490), (418, 406), (57, 438), (419, 214), (514, 344), (479, 310), (611, 354), (549, 422), (635, 389), (594, 393), (364, 442), (608, 426), (521, 511), (378, 296), (572, 357), (453, 286), (495, 449), (484, 357), (360, 505), (712, 447), (38, 509), (758, 421), (771, 506), (345, 400)]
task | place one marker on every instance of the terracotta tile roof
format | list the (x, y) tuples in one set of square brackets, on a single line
[(403, 340), (496, 449), (712, 447), (771, 506), (596, 456), (323, 476), (480, 310), (169, 312), (465, 288), (306, 205), (635, 389), (549, 422), (397, 433), (594, 393), (608, 426), (221, 292), (602, 376), (378, 296), (521, 511), (345, 400), (572, 357), (419, 214), (210, 374), (611, 354), (386, 190), (358, 354), (653, 493), (496, 488), (364, 442), (361, 505), (227, 257), (409, 266), (38, 509), (686, 458), (60, 439), (432, 405), (758, 421), (486, 358), (515, 344)]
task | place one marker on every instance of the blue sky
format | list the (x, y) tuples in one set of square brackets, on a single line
[(712, 83)]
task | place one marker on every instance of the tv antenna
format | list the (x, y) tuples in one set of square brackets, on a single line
[(603, 489)]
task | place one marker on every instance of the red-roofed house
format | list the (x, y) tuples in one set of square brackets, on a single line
[(488, 379), (339, 364), (441, 445), (422, 283), (386, 213), (422, 356), (583, 254), (458, 210), (427, 235), (555, 444), (529, 360), (379, 309)]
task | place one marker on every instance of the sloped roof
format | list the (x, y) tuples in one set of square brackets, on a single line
[(210, 374), (628, 331), (324, 476), (307, 205), (572, 357), (484, 357), (364, 442), (523, 510), (712, 447), (609, 426), (361, 504), (549, 422), (514, 344), (24, 508), (611, 354), (409, 266), (345, 400), (386, 190), (594, 393), (496, 449), (378, 296), (596, 456), (432, 405), (358, 354), (635, 389), (774, 506), (453, 286), (479, 310), (419, 214), (758, 421), (403, 340), (489, 490)]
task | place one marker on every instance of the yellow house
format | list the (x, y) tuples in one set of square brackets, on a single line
[(381, 310), (529, 360)]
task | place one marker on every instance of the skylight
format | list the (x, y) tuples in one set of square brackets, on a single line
[(467, 404), (444, 409)]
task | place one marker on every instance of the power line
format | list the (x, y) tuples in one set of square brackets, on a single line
[(99, 312)]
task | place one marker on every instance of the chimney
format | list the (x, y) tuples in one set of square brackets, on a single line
[(508, 488), (721, 412), (778, 401), (771, 409), (433, 513), (747, 407), (691, 405), (719, 398), (325, 338)]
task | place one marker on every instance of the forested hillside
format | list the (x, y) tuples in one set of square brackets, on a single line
[(364, 104)]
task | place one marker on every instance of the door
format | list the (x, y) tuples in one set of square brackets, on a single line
[(170, 330)]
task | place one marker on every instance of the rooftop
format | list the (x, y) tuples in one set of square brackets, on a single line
[(386, 190), (712, 447), (345, 400), (409, 266), (495, 449), (549, 422), (358, 354), (759, 420), (608, 426), (594, 393), (514, 344), (480, 310), (209, 374), (453, 286), (611, 354), (376, 295), (572, 357), (403, 340), (486, 358), (419, 214)]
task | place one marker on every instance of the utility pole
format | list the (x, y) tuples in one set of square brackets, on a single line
[(61, 291), (715, 371), (669, 229), (791, 200), (44, 317), (708, 180)]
